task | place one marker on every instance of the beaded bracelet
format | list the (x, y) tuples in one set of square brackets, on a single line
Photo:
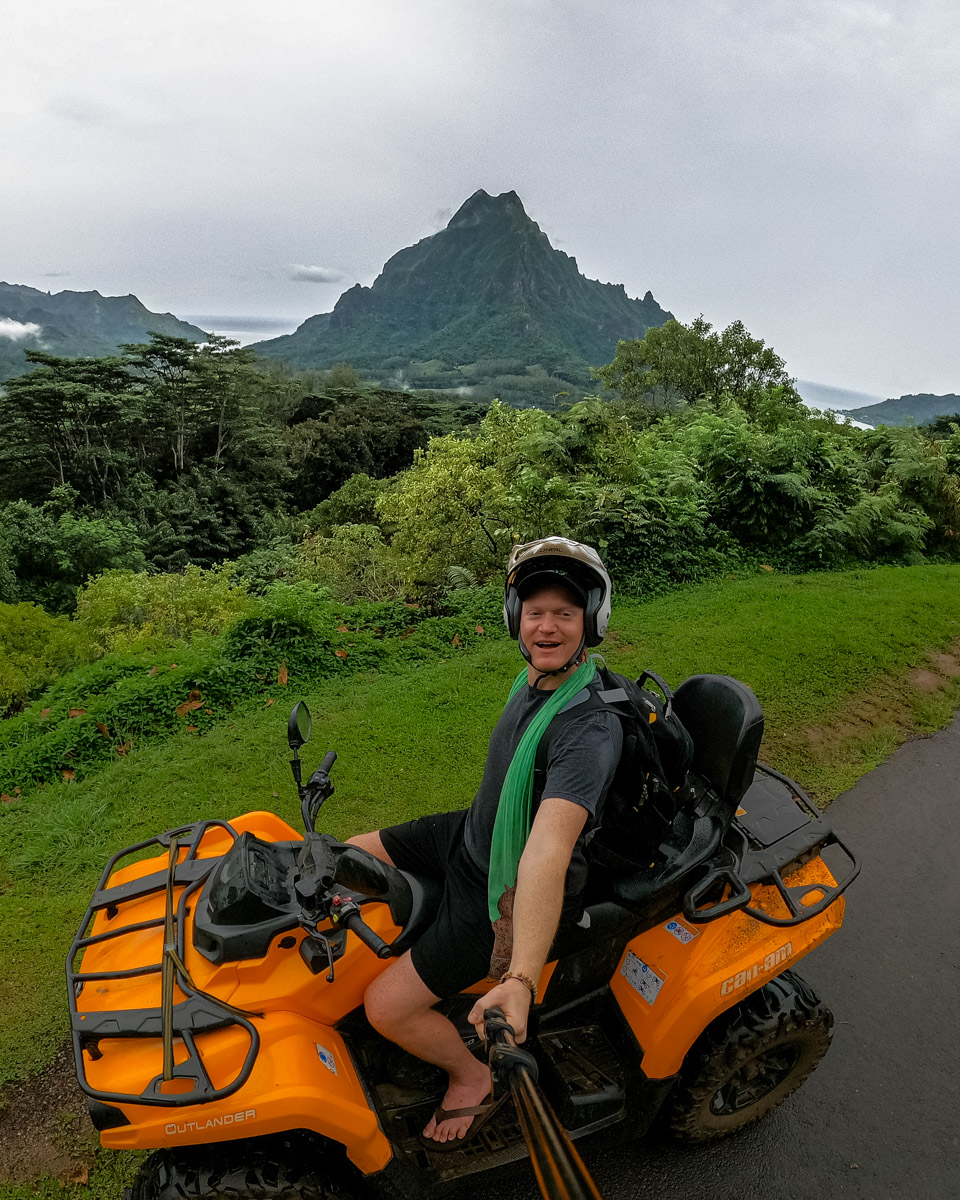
[(525, 980)]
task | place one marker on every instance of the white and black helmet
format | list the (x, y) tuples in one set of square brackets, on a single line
[(558, 561)]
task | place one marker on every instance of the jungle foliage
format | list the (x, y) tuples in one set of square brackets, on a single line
[(174, 454), (707, 488)]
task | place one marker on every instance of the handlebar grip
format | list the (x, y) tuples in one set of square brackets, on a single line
[(328, 760), (356, 924)]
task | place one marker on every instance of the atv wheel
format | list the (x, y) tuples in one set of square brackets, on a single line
[(750, 1059), (286, 1167)]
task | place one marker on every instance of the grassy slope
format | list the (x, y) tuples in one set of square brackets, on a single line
[(812, 647)]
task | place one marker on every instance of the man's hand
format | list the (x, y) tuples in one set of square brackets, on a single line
[(513, 997)]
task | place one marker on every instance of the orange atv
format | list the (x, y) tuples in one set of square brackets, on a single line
[(216, 986)]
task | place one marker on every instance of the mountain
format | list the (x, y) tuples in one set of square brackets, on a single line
[(486, 303), (75, 324), (921, 409)]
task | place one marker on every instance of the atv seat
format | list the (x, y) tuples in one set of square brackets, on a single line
[(725, 720)]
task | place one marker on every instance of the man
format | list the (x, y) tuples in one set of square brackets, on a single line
[(512, 847)]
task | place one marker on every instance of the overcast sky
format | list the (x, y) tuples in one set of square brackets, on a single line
[(793, 164)]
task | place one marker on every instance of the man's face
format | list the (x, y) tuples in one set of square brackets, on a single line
[(551, 626)]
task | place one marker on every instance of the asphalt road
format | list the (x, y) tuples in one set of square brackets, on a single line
[(880, 1117)]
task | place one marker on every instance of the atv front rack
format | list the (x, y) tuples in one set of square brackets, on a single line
[(784, 833), (199, 1013)]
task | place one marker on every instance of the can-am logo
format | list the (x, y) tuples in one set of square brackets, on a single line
[(770, 963), (176, 1127)]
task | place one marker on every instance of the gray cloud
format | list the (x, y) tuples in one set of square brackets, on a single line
[(16, 331), (55, 274), (304, 274), (82, 109)]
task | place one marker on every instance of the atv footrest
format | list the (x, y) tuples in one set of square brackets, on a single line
[(580, 1073), (499, 1142)]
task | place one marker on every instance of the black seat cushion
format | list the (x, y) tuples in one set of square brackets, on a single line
[(725, 720)]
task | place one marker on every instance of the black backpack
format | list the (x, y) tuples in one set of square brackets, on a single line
[(653, 780)]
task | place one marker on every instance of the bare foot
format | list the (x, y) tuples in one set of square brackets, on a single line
[(460, 1094)]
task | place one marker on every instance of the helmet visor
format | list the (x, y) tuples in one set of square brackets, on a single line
[(541, 581)]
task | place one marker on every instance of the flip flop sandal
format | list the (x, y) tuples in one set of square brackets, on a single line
[(481, 1114)]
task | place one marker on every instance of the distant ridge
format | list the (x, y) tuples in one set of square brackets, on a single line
[(75, 324), (486, 303), (921, 409)]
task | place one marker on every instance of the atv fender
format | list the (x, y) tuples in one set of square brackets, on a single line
[(674, 979), (303, 1078)]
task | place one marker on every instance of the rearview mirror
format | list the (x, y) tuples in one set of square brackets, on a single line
[(299, 726)]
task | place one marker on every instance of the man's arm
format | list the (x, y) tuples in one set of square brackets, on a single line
[(536, 907)]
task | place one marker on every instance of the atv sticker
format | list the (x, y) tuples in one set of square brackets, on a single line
[(175, 1127), (683, 933), (326, 1058), (642, 978), (770, 963)]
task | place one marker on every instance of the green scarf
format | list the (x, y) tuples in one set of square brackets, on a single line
[(512, 826)]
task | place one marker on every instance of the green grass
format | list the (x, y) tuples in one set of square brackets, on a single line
[(111, 1173), (814, 648)]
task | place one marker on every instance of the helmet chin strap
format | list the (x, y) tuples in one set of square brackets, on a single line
[(574, 662)]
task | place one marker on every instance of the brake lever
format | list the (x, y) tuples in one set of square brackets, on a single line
[(314, 936)]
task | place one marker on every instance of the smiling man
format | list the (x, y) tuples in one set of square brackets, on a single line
[(513, 864)]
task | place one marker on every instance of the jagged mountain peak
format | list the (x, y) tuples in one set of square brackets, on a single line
[(485, 296), (481, 206)]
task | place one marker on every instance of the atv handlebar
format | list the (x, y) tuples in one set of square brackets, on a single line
[(559, 1169), (347, 913), (316, 791)]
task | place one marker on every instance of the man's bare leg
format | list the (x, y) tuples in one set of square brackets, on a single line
[(399, 1005)]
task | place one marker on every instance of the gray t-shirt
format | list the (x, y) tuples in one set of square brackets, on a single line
[(580, 767)]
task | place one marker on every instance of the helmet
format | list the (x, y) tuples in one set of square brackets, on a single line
[(559, 561)]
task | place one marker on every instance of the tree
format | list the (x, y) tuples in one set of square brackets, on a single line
[(367, 433), (343, 375), (676, 364), (68, 424), (175, 404), (50, 550)]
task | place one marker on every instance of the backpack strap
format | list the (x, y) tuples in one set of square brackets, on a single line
[(611, 697)]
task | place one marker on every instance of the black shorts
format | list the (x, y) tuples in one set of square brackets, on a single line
[(455, 951)]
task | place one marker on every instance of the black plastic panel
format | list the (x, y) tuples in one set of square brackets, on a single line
[(770, 812)]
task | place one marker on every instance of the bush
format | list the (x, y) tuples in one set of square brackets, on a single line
[(50, 553), (98, 712), (353, 504), (123, 610), (35, 647), (354, 563)]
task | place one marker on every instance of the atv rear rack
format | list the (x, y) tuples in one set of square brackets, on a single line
[(199, 1013), (784, 833)]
